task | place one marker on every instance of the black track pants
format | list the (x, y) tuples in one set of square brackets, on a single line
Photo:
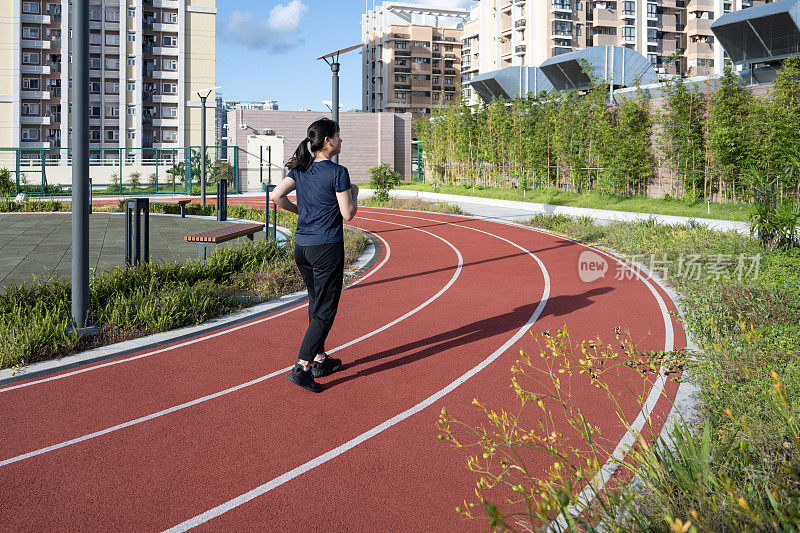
[(322, 268)]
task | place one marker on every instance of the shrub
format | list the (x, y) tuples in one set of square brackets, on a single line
[(134, 179), (383, 179), (6, 185)]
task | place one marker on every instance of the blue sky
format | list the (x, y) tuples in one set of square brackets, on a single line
[(267, 50)]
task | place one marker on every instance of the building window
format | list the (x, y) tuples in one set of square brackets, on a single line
[(112, 87), (30, 109), (112, 15), (400, 45), (170, 88), (112, 63), (131, 85), (95, 39), (94, 135), (652, 34), (435, 96), (112, 39), (170, 135), (401, 62), (448, 97), (652, 10), (112, 135), (628, 32), (94, 14), (170, 40), (30, 134), (132, 110), (399, 95), (94, 111), (422, 43), (132, 12), (30, 58), (131, 37), (170, 64), (30, 7), (112, 111), (30, 83), (420, 59), (131, 61), (400, 78), (448, 80), (131, 135), (448, 48), (170, 112), (94, 62), (30, 33), (171, 18)]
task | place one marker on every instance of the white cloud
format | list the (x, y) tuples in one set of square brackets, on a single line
[(277, 33), (286, 18)]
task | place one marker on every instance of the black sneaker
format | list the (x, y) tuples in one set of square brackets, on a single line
[(303, 378), (327, 366)]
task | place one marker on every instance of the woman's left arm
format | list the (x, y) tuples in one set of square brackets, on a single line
[(278, 195)]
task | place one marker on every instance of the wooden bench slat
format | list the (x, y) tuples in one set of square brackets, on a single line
[(223, 234)]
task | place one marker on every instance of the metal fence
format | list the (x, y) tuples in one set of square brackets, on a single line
[(120, 172)]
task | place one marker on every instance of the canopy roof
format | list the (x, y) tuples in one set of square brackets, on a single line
[(619, 66), (510, 82), (764, 33)]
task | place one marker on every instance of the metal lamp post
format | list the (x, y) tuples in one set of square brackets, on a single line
[(80, 168), (332, 59), (203, 98)]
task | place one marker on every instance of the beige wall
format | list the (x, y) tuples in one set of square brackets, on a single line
[(200, 70), (368, 139)]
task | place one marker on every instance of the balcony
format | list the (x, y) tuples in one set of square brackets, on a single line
[(55, 117), (34, 69), (35, 95), (699, 27), (34, 144), (165, 74), (168, 122), (39, 45), (165, 27), (44, 121), (165, 98), (699, 50), (520, 24), (599, 39), (700, 5), (29, 18), (519, 49), (561, 7), (561, 34), (628, 39), (604, 18), (402, 87), (171, 51), (169, 4)]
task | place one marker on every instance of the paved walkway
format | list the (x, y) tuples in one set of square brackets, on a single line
[(40, 244)]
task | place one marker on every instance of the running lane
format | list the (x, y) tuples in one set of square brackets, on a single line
[(173, 468)]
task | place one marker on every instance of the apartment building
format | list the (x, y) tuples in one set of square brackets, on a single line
[(411, 57), (674, 35), (147, 59), (221, 119)]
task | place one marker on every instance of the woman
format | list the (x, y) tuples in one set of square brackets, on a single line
[(325, 197)]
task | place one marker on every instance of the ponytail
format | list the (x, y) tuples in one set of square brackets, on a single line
[(317, 132)]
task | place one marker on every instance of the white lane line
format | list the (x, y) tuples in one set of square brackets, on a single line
[(317, 461), (203, 399), (628, 440), (196, 339)]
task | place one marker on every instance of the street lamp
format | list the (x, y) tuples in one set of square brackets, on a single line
[(332, 59), (203, 98), (80, 169)]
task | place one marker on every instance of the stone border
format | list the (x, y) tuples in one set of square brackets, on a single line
[(596, 214)]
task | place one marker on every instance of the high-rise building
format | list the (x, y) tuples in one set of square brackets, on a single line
[(221, 119), (411, 57), (147, 59), (674, 35)]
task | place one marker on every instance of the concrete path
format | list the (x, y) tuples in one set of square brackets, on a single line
[(40, 244)]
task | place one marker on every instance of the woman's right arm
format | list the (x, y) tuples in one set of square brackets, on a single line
[(278, 195), (348, 202)]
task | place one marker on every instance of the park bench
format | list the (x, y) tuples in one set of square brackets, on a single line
[(181, 203), (226, 233)]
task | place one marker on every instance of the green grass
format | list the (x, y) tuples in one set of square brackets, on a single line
[(412, 204), (747, 326), (638, 204), (131, 302)]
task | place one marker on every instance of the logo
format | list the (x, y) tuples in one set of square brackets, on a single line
[(591, 266)]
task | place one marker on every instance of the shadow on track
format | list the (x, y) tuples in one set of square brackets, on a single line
[(465, 335)]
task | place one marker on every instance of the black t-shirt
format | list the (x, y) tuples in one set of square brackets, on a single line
[(320, 221)]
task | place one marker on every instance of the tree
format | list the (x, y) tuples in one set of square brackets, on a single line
[(134, 178), (383, 179), (6, 185)]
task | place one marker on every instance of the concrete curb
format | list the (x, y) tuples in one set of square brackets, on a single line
[(596, 214)]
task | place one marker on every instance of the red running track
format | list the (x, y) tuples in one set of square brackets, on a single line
[(206, 432)]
